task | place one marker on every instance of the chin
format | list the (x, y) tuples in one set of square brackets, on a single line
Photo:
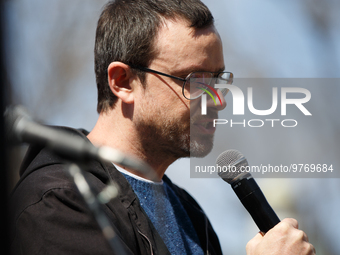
[(200, 149), (192, 147)]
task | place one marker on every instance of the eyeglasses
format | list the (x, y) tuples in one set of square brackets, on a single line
[(196, 83)]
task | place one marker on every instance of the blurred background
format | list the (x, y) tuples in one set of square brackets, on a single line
[(49, 60)]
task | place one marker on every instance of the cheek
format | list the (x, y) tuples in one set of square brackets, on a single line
[(164, 99), (195, 107)]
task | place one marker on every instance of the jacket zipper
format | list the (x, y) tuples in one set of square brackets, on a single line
[(206, 232), (151, 250)]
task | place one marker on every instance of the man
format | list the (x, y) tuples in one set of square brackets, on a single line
[(147, 55)]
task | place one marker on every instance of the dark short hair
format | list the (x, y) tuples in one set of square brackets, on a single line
[(126, 32)]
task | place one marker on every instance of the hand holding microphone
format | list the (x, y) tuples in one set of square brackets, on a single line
[(275, 237), (284, 239)]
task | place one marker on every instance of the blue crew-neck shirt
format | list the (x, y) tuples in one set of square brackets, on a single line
[(167, 214)]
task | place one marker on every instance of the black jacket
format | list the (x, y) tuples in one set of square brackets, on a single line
[(50, 217)]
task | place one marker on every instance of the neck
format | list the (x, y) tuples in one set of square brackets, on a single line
[(116, 131)]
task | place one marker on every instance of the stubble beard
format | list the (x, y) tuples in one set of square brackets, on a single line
[(175, 138), (200, 144)]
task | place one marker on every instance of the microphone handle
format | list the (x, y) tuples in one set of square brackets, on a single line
[(255, 202)]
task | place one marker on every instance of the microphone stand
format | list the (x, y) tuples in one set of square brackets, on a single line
[(95, 204)]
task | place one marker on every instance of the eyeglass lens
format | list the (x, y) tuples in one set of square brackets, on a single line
[(200, 82)]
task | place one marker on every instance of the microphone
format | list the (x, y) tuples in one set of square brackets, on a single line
[(21, 128), (232, 169)]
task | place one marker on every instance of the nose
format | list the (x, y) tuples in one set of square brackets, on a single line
[(220, 101)]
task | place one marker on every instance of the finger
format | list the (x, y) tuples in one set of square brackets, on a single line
[(252, 244), (292, 222), (305, 237), (310, 250), (301, 235), (256, 240), (313, 249)]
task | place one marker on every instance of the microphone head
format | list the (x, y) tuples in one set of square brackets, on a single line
[(232, 165)]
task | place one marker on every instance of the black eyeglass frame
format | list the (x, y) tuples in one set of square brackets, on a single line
[(145, 69)]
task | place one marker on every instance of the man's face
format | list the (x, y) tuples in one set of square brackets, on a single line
[(164, 116)]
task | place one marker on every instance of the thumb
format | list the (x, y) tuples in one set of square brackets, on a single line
[(252, 244)]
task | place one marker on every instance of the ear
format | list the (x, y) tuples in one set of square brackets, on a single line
[(119, 75)]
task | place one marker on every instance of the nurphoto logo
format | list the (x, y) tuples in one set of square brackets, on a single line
[(239, 104)]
